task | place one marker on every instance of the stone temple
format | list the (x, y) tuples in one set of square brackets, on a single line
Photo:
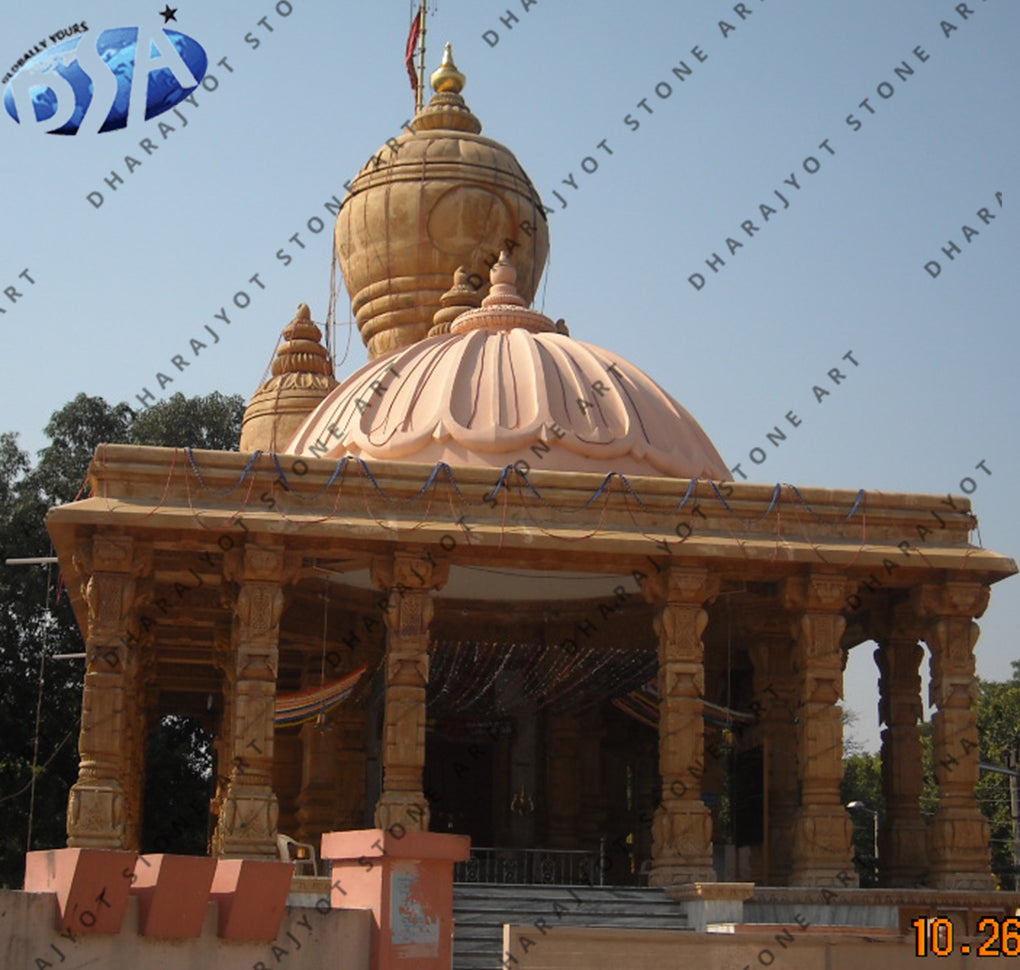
[(491, 600)]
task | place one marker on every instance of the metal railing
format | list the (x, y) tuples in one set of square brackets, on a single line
[(549, 867)]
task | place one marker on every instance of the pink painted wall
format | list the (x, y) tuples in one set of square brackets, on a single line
[(315, 938)]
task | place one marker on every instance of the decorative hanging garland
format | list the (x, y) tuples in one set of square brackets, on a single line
[(502, 484)]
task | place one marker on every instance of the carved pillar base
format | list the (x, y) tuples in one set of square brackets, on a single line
[(681, 831), (958, 848), (401, 809), (821, 836), (248, 822), (96, 815), (905, 841)]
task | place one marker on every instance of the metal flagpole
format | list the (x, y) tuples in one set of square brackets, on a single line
[(420, 94)]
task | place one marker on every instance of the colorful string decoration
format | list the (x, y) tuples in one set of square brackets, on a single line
[(307, 705)]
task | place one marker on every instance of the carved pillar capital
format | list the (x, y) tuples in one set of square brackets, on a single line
[(953, 598), (682, 586), (815, 592), (410, 570)]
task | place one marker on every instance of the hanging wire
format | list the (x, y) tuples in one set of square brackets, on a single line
[(330, 325), (38, 703), (325, 622)]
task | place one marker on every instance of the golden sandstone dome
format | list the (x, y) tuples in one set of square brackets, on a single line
[(438, 197), (449, 380), (505, 387)]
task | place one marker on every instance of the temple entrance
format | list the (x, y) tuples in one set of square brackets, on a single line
[(459, 771)]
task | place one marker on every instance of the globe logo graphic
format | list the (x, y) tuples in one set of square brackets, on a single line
[(56, 74)]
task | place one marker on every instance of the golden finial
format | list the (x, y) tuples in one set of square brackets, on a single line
[(447, 77)]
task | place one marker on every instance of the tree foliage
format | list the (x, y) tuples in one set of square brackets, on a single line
[(998, 725), (862, 782), (998, 713), (36, 621)]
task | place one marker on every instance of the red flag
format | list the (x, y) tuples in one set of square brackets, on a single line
[(412, 48)]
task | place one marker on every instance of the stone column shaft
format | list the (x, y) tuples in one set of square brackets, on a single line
[(105, 801), (563, 779), (249, 811), (408, 581), (592, 819), (901, 842), (775, 701), (682, 824), (958, 837), (822, 834), (350, 760)]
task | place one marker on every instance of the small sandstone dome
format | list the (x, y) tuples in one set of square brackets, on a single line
[(302, 377), (505, 386), (438, 197)]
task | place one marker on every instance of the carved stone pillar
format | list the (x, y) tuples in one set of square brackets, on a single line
[(958, 837), (902, 855), (520, 803), (408, 581), (775, 702), (823, 831), (105, 802), (248, 813), (592, 819), (563, 779), (350, 758), (137, 737), (317, 799), (682, 825), (222, 745)]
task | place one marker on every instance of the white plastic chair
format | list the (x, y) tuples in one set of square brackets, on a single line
[(300, 853)]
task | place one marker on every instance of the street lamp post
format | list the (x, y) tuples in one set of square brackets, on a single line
[(860, 806)]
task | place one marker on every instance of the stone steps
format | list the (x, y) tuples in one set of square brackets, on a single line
[(480, 910)]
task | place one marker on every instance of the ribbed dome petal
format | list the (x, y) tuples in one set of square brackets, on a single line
[(489, 398)]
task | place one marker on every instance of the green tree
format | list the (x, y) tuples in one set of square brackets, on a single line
[(998, 717), (862, 783), (212, 422), (36, 622)]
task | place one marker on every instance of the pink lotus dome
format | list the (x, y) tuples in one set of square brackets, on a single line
[(504, 386)]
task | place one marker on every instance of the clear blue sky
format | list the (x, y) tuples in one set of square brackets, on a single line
[(122, 288)]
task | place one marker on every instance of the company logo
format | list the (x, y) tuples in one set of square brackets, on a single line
[(100, 81)]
